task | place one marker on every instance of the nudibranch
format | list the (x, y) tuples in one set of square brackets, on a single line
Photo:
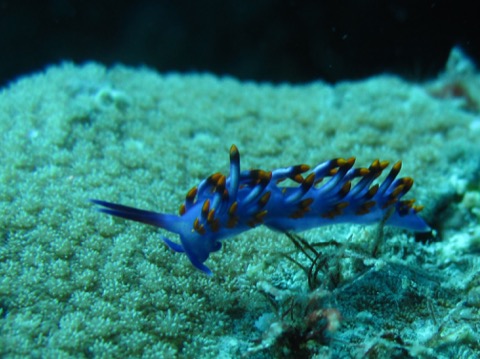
[(332, 192)]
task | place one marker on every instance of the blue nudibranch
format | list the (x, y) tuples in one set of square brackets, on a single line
[(333, 192)]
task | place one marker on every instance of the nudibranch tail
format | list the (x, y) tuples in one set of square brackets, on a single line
[(153, 218), (333, 192)]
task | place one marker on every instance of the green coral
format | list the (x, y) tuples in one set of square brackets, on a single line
[(77, 284)]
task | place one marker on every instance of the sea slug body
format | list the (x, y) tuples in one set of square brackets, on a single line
[(332, 192)]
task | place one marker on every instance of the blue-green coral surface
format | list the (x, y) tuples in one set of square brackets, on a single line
[(76, 284)]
